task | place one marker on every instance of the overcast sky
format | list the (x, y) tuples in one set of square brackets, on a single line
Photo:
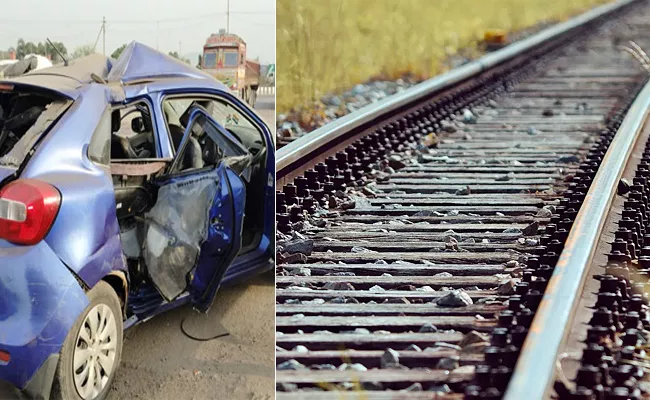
[(184, 23)]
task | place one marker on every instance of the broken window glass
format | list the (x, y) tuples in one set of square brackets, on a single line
[(24, 116), (176, 227)]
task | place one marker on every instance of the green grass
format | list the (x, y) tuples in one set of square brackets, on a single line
[(328, 46)]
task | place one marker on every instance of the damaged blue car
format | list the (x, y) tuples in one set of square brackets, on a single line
[(127, 187)]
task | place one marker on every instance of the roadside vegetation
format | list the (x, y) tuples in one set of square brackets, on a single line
[(328, 46)]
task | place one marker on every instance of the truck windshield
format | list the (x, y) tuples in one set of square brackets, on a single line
[(210, 60), (230, 59)]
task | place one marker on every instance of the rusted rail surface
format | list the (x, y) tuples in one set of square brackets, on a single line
[(405, 267)]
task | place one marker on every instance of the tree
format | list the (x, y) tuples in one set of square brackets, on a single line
[(41, 48), (82, 51), (175, 55), (30, 48), (20, 49), (53, 54), (118, 51)]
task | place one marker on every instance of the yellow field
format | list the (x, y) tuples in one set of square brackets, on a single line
[(329, 45)]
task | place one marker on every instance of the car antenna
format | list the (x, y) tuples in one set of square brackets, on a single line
[(65, 62)]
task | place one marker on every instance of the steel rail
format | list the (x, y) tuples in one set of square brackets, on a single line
[(535, 369), (304, 147)]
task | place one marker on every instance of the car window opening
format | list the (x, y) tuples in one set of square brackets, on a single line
[(132, 133), (23, 118), (214, 147), (160, 228)]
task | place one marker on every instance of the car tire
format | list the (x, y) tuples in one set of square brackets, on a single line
[(98, 346)]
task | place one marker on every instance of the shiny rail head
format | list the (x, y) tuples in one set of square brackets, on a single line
[(551, 325)]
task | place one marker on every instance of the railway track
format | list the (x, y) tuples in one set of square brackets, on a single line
[(417, 240)]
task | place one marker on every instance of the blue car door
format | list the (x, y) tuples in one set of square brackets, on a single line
[(194, 230)]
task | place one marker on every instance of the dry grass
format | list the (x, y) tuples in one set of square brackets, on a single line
[(326, 46)]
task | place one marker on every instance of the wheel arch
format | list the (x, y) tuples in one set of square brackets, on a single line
[(120, 284)]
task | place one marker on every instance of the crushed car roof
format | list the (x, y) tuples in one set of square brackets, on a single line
[(138, 63)]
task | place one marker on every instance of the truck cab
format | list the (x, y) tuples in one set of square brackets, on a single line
[(224, 57)]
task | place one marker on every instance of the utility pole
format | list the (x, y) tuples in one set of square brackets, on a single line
[(179, 48), (228, 18), (104, 35), (157, 27)]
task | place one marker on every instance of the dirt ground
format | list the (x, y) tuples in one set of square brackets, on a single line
[(265, 107), (160, 362)]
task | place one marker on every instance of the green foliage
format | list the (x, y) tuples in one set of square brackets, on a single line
[(42, 48), (177, 56), (325, 46), (116, 53), (83, 51)]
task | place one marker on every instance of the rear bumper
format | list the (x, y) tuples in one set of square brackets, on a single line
[(38, 387), (41, 301)]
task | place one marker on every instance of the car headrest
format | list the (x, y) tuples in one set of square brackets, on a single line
[(115, 121), (177, 134), (137, 125), (184, 119)]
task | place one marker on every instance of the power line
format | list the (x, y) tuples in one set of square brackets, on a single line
[(248, 21), (121, 27), (104, 35), (133, 21), (99, 33)]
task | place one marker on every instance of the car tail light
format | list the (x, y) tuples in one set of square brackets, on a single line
[(27, 210), (4, 357)]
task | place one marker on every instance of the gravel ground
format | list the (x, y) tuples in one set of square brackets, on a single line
[(333, 106), (302, 120)]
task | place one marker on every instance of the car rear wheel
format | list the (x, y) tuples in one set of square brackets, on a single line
[(92, 349)]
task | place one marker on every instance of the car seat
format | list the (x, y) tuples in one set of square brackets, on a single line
[(192, 158), (121, 148)]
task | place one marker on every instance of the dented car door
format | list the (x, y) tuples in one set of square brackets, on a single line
[(194, 231)]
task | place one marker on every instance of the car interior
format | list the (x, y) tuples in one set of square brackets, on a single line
[(24, 114), (135, 168), (132, 133), (177, 112)]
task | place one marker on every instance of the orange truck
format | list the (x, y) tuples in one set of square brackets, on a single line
[(224, 57)]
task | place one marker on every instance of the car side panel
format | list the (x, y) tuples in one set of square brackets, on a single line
[(39, 302), (85, 234)]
